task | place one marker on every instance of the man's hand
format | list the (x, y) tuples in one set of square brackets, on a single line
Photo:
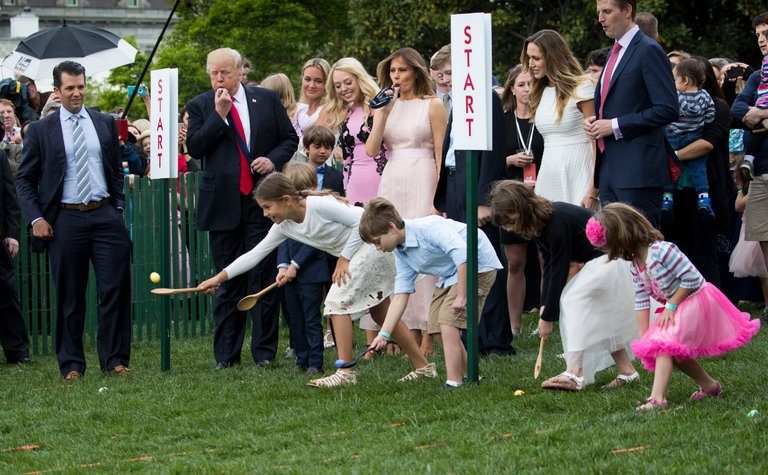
[(223, 102), (599, 129), (459, 304), (262, 165), (42, 230), (285, 275), (754, 117), (483, 215), (545, 328), (12, 245)]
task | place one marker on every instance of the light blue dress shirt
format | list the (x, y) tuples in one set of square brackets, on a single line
[(438, 246), (320, 176), (95, 164)]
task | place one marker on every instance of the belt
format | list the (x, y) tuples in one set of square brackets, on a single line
[(451, 171), (85, 207)]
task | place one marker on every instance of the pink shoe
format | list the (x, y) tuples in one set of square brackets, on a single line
[(653, 405), (714, 391)]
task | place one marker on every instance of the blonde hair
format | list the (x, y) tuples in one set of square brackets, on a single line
[(320, 64), (563, 71), (626, 231), (375, 220), (508, 100), (337, 108), (224, 54), (424, 87), (511, 197), (302, 175), (280, 83)]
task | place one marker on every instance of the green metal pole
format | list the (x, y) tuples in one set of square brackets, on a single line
[(165, 257), (473, 366)]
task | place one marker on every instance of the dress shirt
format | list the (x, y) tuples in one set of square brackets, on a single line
[(624, 41), (95, 164), (320, 175), (240, 102), (438, 246)]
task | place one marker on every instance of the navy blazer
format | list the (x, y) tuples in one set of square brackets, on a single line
[(9, 209), (333, 180), (643, 98), (212, 141), (40, 180), (492, 164)]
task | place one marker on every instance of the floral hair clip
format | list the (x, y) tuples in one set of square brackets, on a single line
[(596, 233)]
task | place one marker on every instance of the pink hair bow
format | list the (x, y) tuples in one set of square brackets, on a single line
[(596, 233)]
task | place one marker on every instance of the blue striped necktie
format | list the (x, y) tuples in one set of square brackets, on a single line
[(81, 162)]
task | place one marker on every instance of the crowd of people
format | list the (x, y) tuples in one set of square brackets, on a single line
[(614, 186)]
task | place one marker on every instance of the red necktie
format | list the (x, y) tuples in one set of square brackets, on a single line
[(246, 180), (606, 85)]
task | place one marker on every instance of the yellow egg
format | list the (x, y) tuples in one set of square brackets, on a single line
[(154, 277), (519, 392)]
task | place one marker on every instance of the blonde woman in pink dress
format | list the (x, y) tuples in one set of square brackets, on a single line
[(348, 91), (412, 127)]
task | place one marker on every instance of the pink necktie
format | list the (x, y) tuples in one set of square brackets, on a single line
[(606, 84)]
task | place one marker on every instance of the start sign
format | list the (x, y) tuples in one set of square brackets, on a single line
[(472, 81), (164, 126)]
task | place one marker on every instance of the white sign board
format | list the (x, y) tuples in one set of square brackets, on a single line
[(471, 92), (164, 128)]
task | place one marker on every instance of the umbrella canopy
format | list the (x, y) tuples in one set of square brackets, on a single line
[(96, 49)]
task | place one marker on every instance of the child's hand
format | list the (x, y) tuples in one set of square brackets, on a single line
[(342, 271), (460, 304), (666, 319), (211, 285), (545, 328), (285, 275), (378, 343)]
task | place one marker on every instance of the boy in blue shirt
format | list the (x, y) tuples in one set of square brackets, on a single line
[(431, 245)]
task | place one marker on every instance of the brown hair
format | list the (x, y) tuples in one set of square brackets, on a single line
[(761, 19), (302, 175), (277, 186), (508, 101), (375, 220), (692, 69), (626, 231), (319, 135), (441, 58), (563, 71), (622, 4), (424, 86), (511, 197)]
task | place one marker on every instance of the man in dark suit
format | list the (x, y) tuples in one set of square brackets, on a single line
[(70, 186), (495, 331), (635, 99), (240, 134), (13, 333)]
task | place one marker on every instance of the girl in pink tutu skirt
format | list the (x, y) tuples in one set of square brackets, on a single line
[(697, 320)]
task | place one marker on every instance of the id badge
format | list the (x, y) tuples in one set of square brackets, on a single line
[(529, 174)]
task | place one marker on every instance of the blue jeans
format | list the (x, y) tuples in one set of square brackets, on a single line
[(697, 168)]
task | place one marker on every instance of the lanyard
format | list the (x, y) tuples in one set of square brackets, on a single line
[(527, 148)]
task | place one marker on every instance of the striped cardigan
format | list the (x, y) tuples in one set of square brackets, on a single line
[(666, 269)]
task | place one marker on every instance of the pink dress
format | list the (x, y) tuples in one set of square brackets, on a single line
[(362, 173), (706, 323), (409, 182)]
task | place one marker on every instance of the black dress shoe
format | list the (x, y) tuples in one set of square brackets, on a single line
[(224, 365), (263, 363), (22, 360), (312, 371)]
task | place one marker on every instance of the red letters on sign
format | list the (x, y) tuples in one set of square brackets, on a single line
[(469, 109), (469, 125), (468, 83), (467, 35)]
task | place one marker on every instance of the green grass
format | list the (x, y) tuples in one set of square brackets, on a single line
[(267, 420)]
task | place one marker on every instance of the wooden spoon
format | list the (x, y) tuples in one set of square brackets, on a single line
[(164, 291), (247, 302), (537, 368)]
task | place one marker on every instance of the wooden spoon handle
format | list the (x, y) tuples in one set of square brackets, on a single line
[(537, 368)]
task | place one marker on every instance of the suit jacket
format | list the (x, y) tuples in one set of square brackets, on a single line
[(9, 209), (212, 141), (643, 98), (40, 180), (333, 180), (491, 165)]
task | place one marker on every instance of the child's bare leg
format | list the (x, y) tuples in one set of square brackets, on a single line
[(400, 334), (369, 337), (695, 371), (661, 378), (343, 332), (416, 334), (427, 346), (623, 362), (455, 359)]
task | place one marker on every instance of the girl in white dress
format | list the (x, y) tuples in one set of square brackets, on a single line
[(363, 279), (562, 96)]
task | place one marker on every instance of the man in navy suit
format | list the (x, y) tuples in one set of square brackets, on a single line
[(70, 186), (635, 99), (240, 134), (494, 330), (13, 333)]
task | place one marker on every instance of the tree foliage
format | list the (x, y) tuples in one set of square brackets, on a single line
[(279, 35)]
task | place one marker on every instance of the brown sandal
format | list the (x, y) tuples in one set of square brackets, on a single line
[(564, 381)]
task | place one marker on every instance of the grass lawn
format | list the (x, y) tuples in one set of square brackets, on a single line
[(266, 420)]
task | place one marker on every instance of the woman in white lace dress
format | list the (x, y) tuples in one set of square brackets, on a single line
[(562, 96)]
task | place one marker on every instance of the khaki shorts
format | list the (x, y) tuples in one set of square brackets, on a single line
[(441, 311), (756, 214)]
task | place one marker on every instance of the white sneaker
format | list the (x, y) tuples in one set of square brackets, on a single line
[(339, 378), (428, 371), (328, 340)]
